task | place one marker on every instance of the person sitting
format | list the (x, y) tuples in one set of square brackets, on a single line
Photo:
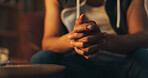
[(119, 26)]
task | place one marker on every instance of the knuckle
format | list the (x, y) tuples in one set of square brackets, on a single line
[(88, 50), (82, 44), (72, 43), (83, 39), (82, 34), (86, 39), (75, 35), (83, 53), (75, 28), (76, 49), (84, 24), (80, 52)]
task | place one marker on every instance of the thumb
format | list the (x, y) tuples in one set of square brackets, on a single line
[(80, 20)]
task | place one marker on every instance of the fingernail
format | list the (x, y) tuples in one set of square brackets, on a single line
[(89, 27)]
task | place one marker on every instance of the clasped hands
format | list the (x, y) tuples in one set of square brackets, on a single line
[(86, 38)]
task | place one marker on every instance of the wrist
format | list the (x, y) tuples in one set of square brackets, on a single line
[(65, 40)]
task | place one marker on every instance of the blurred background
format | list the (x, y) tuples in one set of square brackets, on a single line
[(18, 18), (21, 27)]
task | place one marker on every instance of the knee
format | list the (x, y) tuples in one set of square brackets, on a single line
[(140, 56), (45, 57)]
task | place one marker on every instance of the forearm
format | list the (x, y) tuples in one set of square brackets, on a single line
[(124, 44), (57, 44)]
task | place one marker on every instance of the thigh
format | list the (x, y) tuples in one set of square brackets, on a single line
[(135, 66), (139, 56), (47, 57), (73, 63), (96, 68), (104, 66)]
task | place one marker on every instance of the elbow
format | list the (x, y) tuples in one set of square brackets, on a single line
[(45, 45)]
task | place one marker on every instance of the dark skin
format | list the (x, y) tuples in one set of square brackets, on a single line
[(115, 43), (85, 36), (55, 39)]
